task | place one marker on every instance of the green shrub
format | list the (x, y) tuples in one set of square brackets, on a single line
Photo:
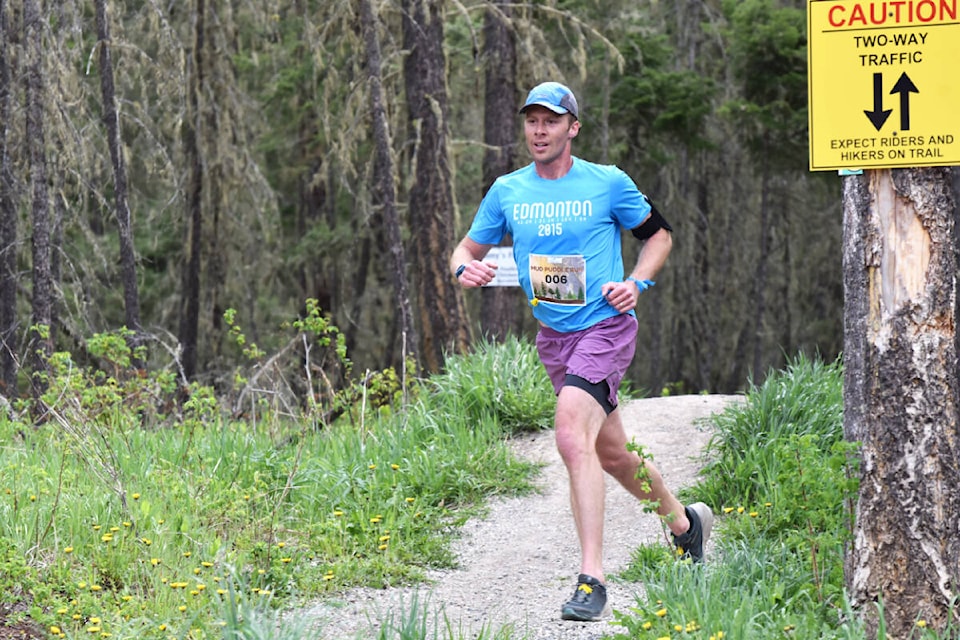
[(504, 381)]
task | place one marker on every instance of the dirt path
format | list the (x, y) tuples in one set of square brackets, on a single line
[(519, 564)]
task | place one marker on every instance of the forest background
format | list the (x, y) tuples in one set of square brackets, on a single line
[(201, 172)]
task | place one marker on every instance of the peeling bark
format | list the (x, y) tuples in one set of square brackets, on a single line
[(901, 394)]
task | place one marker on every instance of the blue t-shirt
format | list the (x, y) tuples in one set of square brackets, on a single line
[(566, 236)]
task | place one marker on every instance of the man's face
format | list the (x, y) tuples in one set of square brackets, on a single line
[(548, 134)]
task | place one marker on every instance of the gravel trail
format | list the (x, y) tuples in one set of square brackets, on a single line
[(518, 564)]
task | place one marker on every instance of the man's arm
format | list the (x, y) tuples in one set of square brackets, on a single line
[(469, 255), (623, 296), (653, 255)]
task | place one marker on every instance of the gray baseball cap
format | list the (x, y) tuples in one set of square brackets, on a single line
[(554, 96)]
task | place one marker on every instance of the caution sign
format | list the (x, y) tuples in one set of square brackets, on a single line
[(884, 89)]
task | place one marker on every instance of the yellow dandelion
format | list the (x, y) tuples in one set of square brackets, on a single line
[(246, 496), (68, 550), (33, 498), (196, 571), (200, 586), (740, 509), (768, 504), (93, 629), (382, 547), (182, 608), (261, 571), (96, 527), (55, 630), (678, 628), (126, 523), (162, 627), (221, 592), (154, 561), (395, 467), (95, 620), (206, 564), (921, 623), (337, 513), (107, 537), (187, 554), (754, 514), (62, 611), (95, 587), (384, 538), (286, 560), (146, 541), (410, 500), (647, 625), (727, 509), (126, 597), (265, 592), (194, 592), (281, 544), (135, 496), (661, 613), (161, 521), (371, 466), (82, 585), (76, 616), (375, 520), (114, 529)]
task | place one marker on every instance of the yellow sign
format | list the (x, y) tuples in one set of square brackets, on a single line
[(884, 83)]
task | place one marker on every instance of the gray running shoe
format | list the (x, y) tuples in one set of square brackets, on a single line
[(589, 601), (691, 544)]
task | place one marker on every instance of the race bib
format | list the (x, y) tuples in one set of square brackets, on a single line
[(559, 279)]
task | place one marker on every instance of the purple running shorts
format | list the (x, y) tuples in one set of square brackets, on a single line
[(601, 352)]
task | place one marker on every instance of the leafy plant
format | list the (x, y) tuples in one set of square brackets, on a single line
[(503, 381)]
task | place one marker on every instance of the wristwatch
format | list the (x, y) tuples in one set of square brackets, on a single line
[(460, 271)]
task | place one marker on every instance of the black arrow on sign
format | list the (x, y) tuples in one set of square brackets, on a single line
[(878, 116), (904, 87)]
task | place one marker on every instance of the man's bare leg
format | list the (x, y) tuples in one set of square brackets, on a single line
[(578, 421), (622, 465)]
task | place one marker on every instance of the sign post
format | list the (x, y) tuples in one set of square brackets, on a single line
[(884, 85)]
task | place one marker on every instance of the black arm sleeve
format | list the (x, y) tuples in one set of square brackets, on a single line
[(652, 224)]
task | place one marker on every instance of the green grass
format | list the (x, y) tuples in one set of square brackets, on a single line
[(783, 482), (201, 527), (123, 524)]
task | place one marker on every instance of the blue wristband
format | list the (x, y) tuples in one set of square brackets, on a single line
[(642, 285)]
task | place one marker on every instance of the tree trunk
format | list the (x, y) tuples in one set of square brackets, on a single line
[(111, 118), (901, 395), (761, 277), (8, 224), (40, 346), (383, 178), (190, 296), (443, 321), (499, 309)]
